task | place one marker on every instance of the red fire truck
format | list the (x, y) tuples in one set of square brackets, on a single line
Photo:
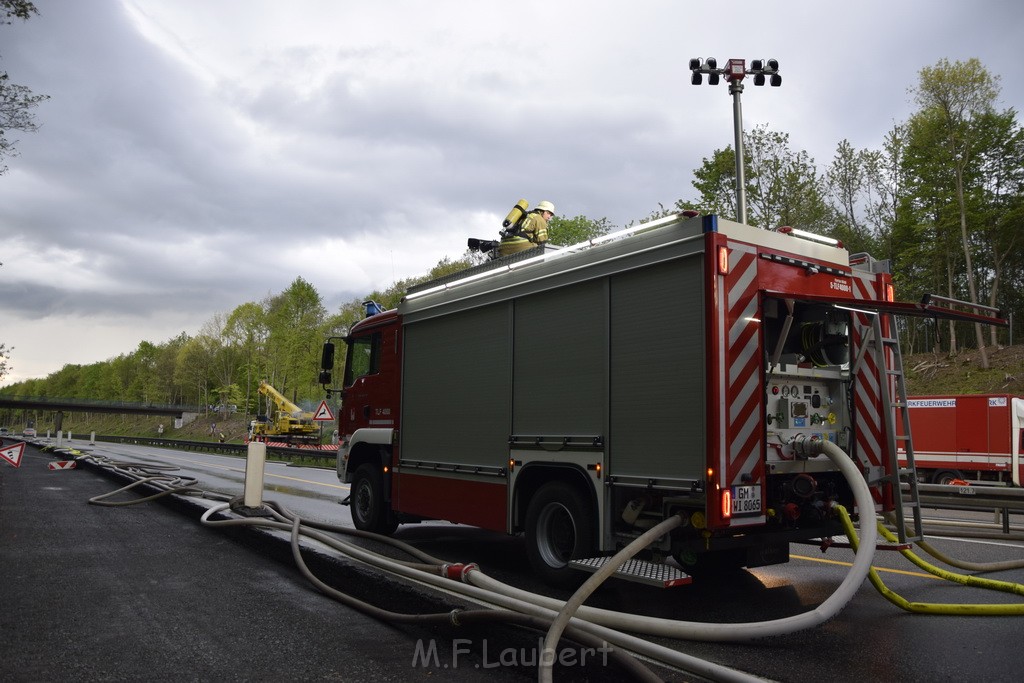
[(581, 396), (975, 438)]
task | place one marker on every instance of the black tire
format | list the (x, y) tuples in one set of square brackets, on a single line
[(946, 477), (370, 512), (559, 528)]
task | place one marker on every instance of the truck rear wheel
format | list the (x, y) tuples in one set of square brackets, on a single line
[(370, 511), (558, 529), (946, 477)]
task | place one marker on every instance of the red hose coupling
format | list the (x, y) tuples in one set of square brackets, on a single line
[(791, 511), (459, 571)]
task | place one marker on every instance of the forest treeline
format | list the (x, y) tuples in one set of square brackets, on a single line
[(942, 200)]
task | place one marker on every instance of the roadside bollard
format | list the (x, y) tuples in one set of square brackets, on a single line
[(60, 437), (255, 461), (92, 438)]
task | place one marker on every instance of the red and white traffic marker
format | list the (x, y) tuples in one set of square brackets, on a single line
[(62, 465), (13, 454)]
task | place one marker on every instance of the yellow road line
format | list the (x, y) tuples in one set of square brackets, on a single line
[(345, 487)]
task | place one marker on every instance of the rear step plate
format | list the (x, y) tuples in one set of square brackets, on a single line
[(641, 571)]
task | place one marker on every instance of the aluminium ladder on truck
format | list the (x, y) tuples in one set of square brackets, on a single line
[(902, 481), (878, 336)]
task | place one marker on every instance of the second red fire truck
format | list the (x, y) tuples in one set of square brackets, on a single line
[(973, 438)]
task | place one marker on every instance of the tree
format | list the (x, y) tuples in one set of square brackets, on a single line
[(847, 185), (4, 360), (953, 98), (715, 182), (295, 319), (783, 185), (886, 183), (17, 9), (246, 329), (1001, 162), (16, 101), (568, 231)]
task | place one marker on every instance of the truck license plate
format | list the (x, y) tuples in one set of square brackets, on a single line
[(746, 500)]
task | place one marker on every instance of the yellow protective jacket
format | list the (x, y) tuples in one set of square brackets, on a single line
[(532, 233)]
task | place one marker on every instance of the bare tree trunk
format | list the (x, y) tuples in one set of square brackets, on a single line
[(951, 294), (971, 287), (992, 302)]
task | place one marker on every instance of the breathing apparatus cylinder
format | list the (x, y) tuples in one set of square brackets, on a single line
[(516, 214)]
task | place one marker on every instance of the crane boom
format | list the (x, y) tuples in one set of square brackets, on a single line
[(282, 403)]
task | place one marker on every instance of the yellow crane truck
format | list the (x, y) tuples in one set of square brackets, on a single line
[(289, 423)]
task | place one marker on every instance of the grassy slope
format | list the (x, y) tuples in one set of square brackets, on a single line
[(234, 427), (930, 374)]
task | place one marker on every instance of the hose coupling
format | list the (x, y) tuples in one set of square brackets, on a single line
[(453, 617), (458, 571), (806, 447)]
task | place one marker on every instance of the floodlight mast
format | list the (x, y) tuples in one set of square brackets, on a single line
[(734, 73)]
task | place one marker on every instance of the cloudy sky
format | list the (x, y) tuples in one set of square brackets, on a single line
[(195, 155)]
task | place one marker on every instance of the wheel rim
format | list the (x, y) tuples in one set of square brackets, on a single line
[(363, 501), (556, 535)]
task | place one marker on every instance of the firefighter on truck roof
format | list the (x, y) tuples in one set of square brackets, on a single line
[(531, 232)]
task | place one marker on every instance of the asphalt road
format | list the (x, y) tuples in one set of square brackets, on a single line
[(145, 592), (176, 587)]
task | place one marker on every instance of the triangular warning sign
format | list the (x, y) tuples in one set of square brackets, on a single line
[(12, 454), (323, 413)]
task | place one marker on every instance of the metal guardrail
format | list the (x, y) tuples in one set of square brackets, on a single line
[(90, 405), (971, 497), (1003, 500), (239, 449)]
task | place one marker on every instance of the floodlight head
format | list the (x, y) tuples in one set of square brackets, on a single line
[(758, 79), (712, 79), (712, 63), (776, 80), (757, 64), (694, 63), (772, 66), (696, 78), (736, 70)]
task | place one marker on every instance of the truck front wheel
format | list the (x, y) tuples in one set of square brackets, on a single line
[(370, 512), (558, 529)]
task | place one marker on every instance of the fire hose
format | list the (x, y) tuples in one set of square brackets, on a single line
[(604, 623)]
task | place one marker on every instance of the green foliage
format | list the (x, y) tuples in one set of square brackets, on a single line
[(16, 101), (715, 181), (568, 231), (4, 360), (943, 199), (16, 9)]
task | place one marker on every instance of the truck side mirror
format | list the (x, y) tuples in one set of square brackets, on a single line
[(325, 377), (327, 361)]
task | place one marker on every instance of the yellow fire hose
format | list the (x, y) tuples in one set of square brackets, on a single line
[(937, 608)]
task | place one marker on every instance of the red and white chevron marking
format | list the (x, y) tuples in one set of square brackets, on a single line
[(739, 350), (62, 465), (868, 418), (311, 447)]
